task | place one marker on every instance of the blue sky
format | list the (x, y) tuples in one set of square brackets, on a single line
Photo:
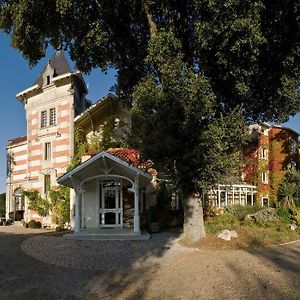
[(16, 76)]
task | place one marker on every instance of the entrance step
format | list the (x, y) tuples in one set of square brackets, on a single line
[(108, 235)]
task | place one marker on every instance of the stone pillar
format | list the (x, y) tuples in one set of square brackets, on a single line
[(136, 218)]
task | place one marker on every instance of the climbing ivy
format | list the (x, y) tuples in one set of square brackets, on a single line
[(36, 202)]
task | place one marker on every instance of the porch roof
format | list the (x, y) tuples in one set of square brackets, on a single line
[(107, 166)]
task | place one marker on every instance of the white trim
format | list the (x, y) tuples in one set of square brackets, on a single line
[(95, 158), (110, 176), (32, 88)]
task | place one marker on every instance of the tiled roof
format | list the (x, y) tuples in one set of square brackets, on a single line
[(18, 140)]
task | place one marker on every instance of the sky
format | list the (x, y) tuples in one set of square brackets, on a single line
[(16, 76)]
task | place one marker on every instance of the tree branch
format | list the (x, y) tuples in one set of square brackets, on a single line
[(151, 23)]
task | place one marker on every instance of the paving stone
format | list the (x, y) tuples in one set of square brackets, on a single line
[(102, 255)]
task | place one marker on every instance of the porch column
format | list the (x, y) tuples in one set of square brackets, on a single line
[(72, 208), (226, 196), (78, 191), (252, 196), (233, 196), (136, 218), (77, 212), (219, 197), (240, 196)]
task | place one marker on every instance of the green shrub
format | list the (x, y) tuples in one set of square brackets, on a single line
[(218, 223), (32, 224), (284, 214), (38, 225), (240, 211)]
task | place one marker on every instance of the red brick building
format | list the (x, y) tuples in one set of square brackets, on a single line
[(272, 152)]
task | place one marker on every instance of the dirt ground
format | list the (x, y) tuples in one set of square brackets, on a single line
[(252, 273), (257, 273)]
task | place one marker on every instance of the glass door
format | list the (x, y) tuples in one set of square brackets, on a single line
[(111, 210)]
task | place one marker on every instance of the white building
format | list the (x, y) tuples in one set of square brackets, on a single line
[(106, 187)]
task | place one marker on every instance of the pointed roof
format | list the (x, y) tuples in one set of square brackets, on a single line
[(57, 62), (104, 165)]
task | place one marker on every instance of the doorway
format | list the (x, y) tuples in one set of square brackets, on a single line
[(111, 204)]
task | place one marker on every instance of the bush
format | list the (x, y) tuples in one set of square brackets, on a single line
[(240, 211), (32, 224), (38, 225), (226, 221), (283, 214)]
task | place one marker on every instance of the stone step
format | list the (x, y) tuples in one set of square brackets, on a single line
[(107, 237)]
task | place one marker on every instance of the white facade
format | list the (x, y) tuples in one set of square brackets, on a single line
[(37, 159)]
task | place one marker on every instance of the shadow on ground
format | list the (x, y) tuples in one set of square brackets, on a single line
[(59, 271)]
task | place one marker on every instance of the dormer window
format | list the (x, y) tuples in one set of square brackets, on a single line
[(48, 79), (54, 73)]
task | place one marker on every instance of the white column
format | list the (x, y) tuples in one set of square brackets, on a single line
[(245, 199), (240, 196), (252, 197), (219, 197), (136, 218), (233, 199), (72, 208), (98, 199), (226, 196), (77, 211)]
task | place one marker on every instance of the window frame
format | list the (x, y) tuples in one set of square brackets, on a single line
[(44, 119), (265, 198), (264, 153), (265, 177), (47, 183), (52, 121), (47, 151)]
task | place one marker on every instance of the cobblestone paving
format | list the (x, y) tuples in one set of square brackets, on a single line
[(103, 255)]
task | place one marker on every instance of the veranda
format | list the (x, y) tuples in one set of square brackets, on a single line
[(223, 195)]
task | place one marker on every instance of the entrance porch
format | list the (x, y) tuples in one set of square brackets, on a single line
[(108, 194)]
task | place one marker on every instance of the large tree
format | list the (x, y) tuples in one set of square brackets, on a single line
[(194, 71)]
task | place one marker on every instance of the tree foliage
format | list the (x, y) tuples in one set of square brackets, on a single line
[(247, 50), (38, 203), (57, 201), (2, 204), (194, 70), (60, 205), (289, 190)]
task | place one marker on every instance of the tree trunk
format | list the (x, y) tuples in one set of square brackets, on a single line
[(193, 227)]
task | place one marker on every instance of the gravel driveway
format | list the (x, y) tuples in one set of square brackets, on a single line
[(155, 269)]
